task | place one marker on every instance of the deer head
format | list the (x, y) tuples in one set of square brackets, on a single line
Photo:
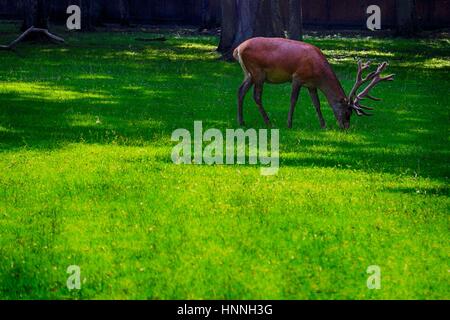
[(354, 98)]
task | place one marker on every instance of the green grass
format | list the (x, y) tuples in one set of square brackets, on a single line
[(86, 177)]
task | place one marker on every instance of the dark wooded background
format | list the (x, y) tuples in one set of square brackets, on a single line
[(430, 14)]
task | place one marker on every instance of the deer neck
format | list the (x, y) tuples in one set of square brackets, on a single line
[(333, 91)]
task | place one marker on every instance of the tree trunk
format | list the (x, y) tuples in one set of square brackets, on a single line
[(295, 29), (277, 19), (269, 22), (229, 25), (124, 13), (406, 24), (36, 13), (87, 10), (207, 15), (245, 19)]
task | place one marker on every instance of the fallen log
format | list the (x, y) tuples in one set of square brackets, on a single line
[(30, 30)]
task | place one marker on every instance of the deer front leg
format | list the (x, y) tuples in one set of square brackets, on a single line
[(316, 103), (246, 85), (296, 87), (257, 95)]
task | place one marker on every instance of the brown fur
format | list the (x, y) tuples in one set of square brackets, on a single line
[(278, 60)]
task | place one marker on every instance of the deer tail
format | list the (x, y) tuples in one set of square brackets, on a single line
[(238, 57), (236, 53)]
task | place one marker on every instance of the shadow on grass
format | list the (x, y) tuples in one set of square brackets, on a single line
[(136, 95), (438, 191)]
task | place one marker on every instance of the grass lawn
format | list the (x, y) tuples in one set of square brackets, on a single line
[(86, 176)]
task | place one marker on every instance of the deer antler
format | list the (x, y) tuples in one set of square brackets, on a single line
[(359, 80), (375, 78)]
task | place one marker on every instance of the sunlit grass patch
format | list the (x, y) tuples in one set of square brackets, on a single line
[(86, 177), (95, 77), (45, 91)]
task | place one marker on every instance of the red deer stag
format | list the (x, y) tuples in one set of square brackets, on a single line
[(277, 60)]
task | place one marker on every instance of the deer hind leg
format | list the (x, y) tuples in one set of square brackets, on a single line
[(296, 87), (257, 95), (316, 103), (243, 89)]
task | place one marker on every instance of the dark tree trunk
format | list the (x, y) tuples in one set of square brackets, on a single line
[(245, 19), (28, 9), (124, 12), (207, 15), (269, 22), (36, 13), (277, 19), (229, 25), (295, 28), (406, 24), (328, 10), (87, 12)]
